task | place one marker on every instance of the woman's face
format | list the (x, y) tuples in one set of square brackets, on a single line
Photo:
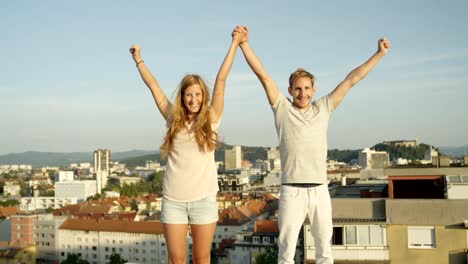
[(193, 99)]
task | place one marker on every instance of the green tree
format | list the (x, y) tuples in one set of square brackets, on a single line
[(74, 259), (9, 202), (270, 255), (23, 187), (115, 258), (134, 205)]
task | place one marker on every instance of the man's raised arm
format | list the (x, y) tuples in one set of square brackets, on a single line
[(256, 65), (359, 73)]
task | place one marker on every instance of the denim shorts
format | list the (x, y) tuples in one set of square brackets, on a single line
[(200, 212)]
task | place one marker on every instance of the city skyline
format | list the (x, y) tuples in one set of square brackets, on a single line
[(69, 84)]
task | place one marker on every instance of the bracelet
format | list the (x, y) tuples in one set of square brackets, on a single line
[(139, 63)]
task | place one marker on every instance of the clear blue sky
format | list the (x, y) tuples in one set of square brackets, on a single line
[(67, 82)]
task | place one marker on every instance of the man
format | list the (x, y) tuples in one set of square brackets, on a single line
[(302, 132)]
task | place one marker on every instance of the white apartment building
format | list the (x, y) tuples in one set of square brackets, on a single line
[(233, 183), (249, 244), (102, 159), (228, 230), (46, 235), (95, 240), (12, 189), (79, 189), (65, 176), (43, 203)]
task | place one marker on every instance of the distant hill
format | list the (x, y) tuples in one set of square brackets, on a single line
[(455, 151), (39, 159), (139, 157)]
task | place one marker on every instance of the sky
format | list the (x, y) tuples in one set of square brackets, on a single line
[(68, 83)]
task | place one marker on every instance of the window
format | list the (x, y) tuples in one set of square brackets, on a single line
[(337, 238), (351, 238), (421, 237), (358, 235)]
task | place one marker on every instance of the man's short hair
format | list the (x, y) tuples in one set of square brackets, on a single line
[(299, 73)]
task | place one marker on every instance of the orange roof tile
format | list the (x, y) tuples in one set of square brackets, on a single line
[(6, 211), (70, 209), (266, 226)]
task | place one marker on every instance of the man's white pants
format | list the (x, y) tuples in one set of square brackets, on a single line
[(295, 204)]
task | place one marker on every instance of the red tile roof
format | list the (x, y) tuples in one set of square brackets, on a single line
[(6, 211), (266, 226)]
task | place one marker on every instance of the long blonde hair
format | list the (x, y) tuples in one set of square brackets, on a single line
[(206, 138)]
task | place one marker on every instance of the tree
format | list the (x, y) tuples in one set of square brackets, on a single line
[(115, 258), (270, 255), (9, 202), (74, 259), (134, 205)]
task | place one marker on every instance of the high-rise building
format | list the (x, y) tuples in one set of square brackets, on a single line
[(102, 159), (233, 158)]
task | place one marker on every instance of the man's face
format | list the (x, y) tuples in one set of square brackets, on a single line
[(302, 92)]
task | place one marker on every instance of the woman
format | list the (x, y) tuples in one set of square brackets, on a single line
[(190, 181)]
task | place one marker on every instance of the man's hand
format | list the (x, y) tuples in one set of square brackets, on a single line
[(384, 45)]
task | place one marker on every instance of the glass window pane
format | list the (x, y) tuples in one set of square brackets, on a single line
[(363, 235), (376, 235), (351, 235)]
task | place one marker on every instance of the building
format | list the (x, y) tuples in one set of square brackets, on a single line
[(427, 230), (22, 230), (79, 189), (399, 143), (359, 232), (120, 180), (272, 179), (32, 204), (102, 158), (274, 159), (96, 239), (430, 154), (456, 187), (25, 255), (262, 165), (371, 159), (430, 183), (233, 182), (65, 176), (11, 188), (5, 224), (46, 236), (249, 244), (233, 158)]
